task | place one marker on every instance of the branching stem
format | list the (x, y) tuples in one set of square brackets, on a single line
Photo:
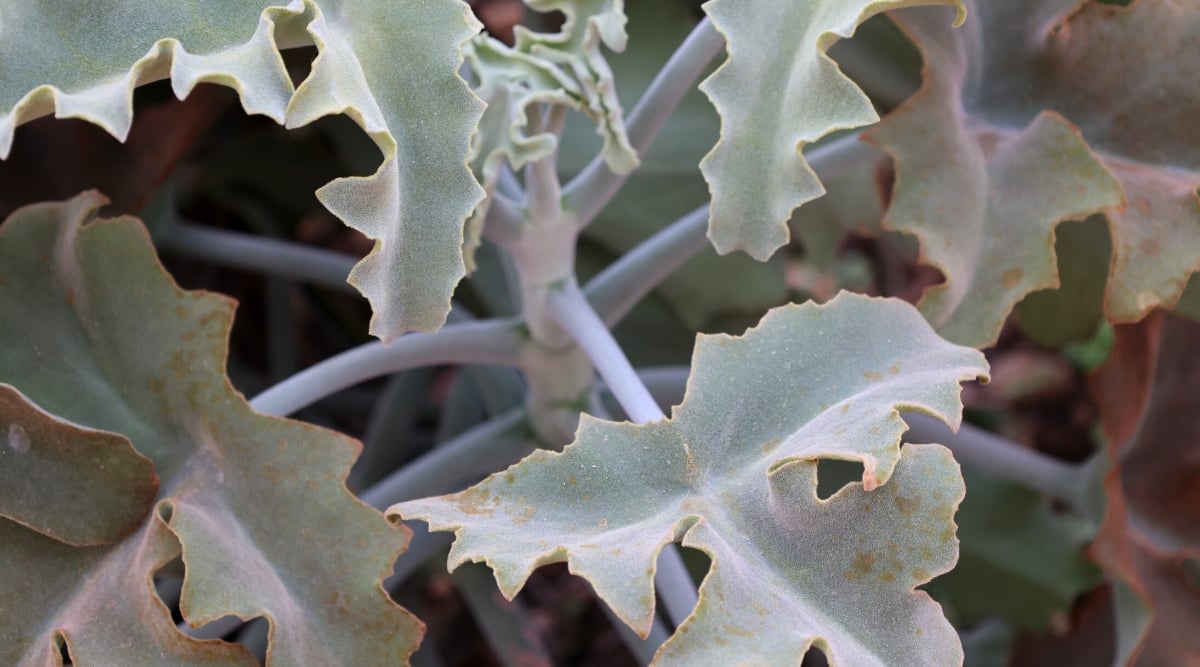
[(487, 342), (618, 288), (260, 254), (491, 446), (570, 309)]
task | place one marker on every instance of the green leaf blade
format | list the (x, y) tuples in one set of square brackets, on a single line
[(1007, 69), (257, 505), (815, 589), (776, 93), (733, 472), (130, 628), (409, 98), (110, 50), (392, 67)]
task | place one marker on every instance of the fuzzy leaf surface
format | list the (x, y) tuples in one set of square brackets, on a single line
[(391, 66), (777, 92), (112, 345), (1016, 68), (733, 473), (1148, 394)]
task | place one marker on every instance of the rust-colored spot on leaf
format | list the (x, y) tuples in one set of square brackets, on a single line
[(526, 515), (845, 408), (476, 501), (1012, 277), (571, 481), (863, 563), (734, 630), (895, 368), (907, 506), (873, 375)]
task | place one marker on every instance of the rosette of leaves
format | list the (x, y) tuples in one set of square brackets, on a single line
[(567, 68), (126, 448), (733, 473), (390, 66), (1026, 120)]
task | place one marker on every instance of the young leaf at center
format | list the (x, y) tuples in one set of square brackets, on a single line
[(733, 473)]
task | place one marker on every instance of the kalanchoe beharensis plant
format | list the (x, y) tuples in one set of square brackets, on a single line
[(1040, 159)]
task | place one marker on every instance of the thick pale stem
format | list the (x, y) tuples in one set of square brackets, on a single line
[(596, 185), (264, 255), (573, 313), (491, 342), (558, 373), (491, 446), (618, 288), (504, 220)]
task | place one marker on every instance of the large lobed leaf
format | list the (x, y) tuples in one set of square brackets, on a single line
[(777, 92), (1028, 117), (1148, 394), (106, 363), (733, 473), (391, 66)]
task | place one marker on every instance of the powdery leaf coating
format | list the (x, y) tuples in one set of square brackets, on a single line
[(112, 345), (82, 60), (1148, 393), (1018, 65), (733, 473), (777, 91)]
